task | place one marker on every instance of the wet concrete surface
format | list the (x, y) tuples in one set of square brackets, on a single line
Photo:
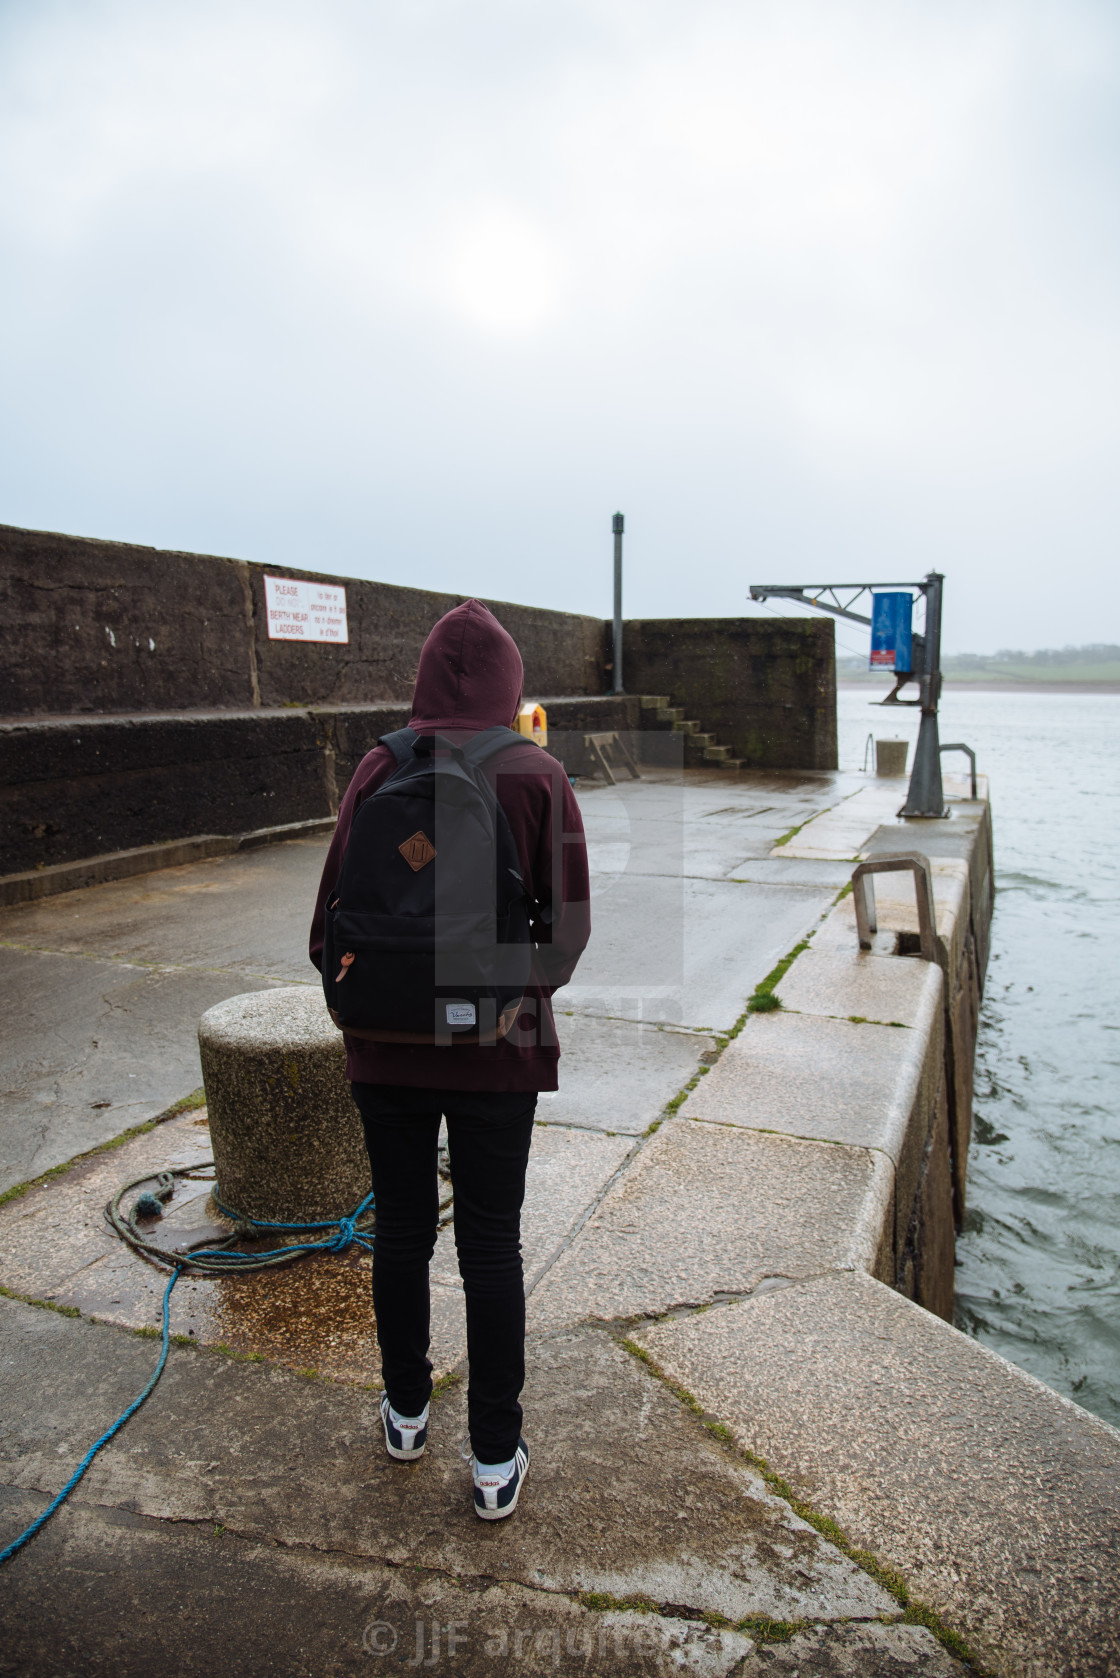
[(91, 1048), (254, 1485), (631, 1497), (56, 1245), (998, 1498), (103, 988), (667, 862), (121, 1596)]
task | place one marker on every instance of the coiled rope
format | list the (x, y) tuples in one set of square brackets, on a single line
[(207, 1259), (203, 1260)]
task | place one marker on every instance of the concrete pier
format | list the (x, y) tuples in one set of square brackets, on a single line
[(759, 1447)]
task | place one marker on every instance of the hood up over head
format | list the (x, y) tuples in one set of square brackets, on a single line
[(470, 674)]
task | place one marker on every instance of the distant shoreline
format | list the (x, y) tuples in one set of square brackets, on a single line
[(987, 685)]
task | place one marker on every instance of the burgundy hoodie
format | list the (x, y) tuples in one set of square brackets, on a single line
[(470, 677)]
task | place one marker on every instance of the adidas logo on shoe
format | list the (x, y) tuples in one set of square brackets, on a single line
[(497, 1486), (405, 1436)]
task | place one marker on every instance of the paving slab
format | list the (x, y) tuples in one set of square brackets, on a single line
[(997, 1499), (854, 1651), (843, 981), (93, 1047), (828, 1080), (704, 945), (628, 1494), (844, 828), (710, 1209), (116, 1595), (247, 913), (617, 1075), (568, 1169)]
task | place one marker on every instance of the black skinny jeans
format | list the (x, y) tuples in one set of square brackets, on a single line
[(489, 1134)]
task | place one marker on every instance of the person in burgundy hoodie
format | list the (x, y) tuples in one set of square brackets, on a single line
[(469, 678)]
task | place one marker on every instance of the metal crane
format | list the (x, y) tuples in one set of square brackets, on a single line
[(925, 796)]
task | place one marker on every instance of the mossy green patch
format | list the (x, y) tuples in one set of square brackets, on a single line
[(792, 833), (197, 1098), (764, 1004), (248, 1357), (40, 1304), (762, 1000)]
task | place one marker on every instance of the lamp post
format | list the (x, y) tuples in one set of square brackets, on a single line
[(617, 525)]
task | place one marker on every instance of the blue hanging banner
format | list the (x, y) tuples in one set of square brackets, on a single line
[(891, 626)]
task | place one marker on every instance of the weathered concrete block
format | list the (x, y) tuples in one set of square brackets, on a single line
[(708, 1209), (824, 1080), (288, 1141), (996, 1498), (854, 983)]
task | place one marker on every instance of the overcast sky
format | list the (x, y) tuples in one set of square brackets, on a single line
[(424, 291)]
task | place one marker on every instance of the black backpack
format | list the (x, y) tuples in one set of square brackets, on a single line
[(428, 929)]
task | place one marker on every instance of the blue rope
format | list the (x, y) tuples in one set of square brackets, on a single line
[(57, 1502), (345, 1234)]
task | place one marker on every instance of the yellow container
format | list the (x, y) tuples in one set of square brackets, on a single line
[(532, 721)]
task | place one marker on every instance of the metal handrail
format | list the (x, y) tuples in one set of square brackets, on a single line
[(959, 746), (863, 891)]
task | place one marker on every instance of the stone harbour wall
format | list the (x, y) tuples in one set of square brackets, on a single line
[(765, 687), (142, 701), (77, 789), (109, 627)]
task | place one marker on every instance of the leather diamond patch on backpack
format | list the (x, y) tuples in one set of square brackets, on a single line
[(417, 851)]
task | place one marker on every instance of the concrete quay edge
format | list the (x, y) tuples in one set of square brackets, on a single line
[(812, 1326)]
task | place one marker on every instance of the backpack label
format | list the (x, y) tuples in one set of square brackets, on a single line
[(417, 851), (461, 1013)]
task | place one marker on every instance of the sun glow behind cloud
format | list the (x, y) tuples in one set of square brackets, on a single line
[(797, 283)]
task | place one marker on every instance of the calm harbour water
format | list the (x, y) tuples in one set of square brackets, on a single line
[(1039, 1257)]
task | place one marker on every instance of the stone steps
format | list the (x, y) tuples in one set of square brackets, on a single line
[(701, 749)]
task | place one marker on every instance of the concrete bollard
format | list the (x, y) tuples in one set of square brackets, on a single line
[(287, 1138), (890, 757)]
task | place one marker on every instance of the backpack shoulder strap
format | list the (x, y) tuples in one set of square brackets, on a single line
[(400, 743), (483, 747)]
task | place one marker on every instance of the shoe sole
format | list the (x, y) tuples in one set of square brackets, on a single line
[(405, 1456), (500, 1514)]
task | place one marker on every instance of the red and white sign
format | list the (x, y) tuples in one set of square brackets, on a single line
[(301, 611)]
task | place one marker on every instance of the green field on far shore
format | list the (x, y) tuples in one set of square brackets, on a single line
[(1097, 666)]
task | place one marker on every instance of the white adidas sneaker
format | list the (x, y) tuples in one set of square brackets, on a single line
[(405, 1436), (497, 1486)]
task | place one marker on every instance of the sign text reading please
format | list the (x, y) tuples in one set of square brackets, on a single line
[(301, 611)]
